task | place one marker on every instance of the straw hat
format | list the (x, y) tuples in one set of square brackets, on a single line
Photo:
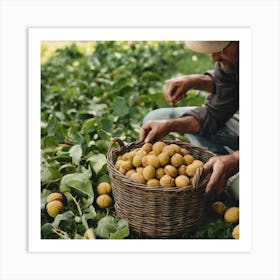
[(206, 46)]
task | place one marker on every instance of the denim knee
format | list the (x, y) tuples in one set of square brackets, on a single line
[(158, 114)]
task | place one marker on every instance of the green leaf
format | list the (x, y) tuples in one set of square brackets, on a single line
[(44, 195), (104, 135), (49, 142), (49, 173), (89, 126), (101, 145), (104, 178), (89, 213), (105, 226), (122, 230), (76, 154), (98, 162), (109, 228), (66, 216), (120, 107), (77, 183)]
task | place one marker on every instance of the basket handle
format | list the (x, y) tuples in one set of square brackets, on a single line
[(111, 144), (201, 177)]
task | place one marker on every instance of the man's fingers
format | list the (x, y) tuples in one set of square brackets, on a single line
[(144, 130), (216, 176)]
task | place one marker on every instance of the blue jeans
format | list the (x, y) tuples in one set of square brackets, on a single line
[(222, 142)]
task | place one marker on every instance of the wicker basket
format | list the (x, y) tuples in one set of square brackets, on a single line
[(156, 211)]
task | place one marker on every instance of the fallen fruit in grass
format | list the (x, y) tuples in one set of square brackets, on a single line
[(235, 232), (54, 196), (104, 201), (54, 208), (104, 188), (219, 207), (89, 234), (232, 215)]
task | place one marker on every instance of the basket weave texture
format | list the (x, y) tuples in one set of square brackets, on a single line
[(158, 212)]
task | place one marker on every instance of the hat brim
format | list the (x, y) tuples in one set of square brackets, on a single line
[(206, 46)]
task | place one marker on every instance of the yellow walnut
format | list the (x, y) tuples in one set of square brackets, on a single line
[(232, 215), (188, 159), (127, 165), (54, 208), (153, 161), (149, 172), (235, 232), (177, 160), (119, 163), (138, 178), (103, 188), (104, 201), (130, 172), (163, 158), (54, 196), (153, 183), (157, 147), (190, 170), (219, 207), (147, 147), (169, 149), (170, 170), (137, 161), (182, 169), (176, 148), (145, 160), (184, 151), (167, 181), (198, 163), (159, 173), (182, 181), (140, 170)]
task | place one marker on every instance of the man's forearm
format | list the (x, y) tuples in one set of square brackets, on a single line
[(187, 124), (201, 82)]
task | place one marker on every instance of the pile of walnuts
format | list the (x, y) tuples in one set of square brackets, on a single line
[(159, 165)]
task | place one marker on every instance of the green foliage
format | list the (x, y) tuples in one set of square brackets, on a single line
[(86, 100)]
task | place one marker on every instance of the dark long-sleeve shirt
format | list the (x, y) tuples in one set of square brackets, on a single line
[(221, 104)]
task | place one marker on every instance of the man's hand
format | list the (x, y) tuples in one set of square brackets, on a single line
[(176, 89), (222, 168), (153, 130)]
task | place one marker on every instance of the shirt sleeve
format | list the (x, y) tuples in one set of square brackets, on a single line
[(220, 105)]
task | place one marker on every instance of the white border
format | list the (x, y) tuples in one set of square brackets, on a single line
[(36, 35)]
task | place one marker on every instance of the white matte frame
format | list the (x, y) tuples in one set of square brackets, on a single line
[(37, 35)]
